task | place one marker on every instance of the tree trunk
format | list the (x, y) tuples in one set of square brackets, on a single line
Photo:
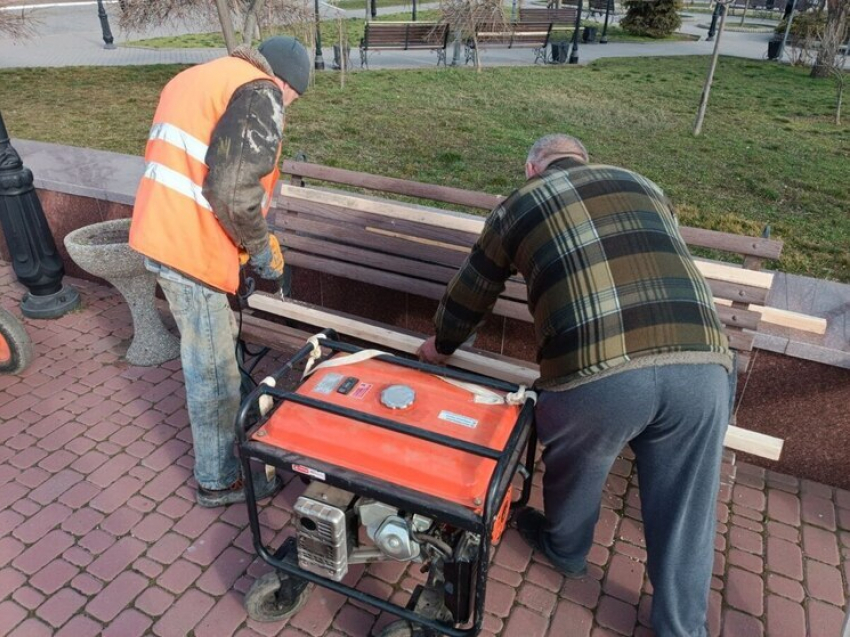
[(703, 104), (744, 14), (834, 36), (226, 24), (250, 25)]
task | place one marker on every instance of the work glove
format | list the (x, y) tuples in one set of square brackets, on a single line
[(269, 262)]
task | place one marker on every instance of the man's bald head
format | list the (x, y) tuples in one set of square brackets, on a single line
[(551, 147)]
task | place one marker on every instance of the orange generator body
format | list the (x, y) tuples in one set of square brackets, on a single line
[(404, 461)]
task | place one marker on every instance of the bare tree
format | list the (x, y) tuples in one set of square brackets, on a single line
[(140, 14), (14, 22), (463, 16), (835, 34), (706, 89)]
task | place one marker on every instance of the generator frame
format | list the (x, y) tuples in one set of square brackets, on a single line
[(522, 438)]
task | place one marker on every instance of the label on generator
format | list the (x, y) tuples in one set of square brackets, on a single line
[(328, 383), (307, 471), (361, 390), (457, 419)]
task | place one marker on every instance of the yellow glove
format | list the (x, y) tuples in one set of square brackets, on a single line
[(277, 255), (269, 262)]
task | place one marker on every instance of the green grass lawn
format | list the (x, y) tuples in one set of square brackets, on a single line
[(769, 153)]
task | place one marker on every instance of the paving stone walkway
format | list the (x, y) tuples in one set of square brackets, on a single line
[(100, 535)]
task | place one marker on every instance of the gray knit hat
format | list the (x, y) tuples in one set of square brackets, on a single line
[(289, 61)]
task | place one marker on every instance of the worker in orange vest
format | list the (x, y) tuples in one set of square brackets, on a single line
[(210, 169)]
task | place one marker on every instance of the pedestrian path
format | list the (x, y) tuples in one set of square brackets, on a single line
[(100, 533), (71, 35)]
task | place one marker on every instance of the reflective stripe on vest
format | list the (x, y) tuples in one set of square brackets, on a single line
[(194, 147), (179, 183)]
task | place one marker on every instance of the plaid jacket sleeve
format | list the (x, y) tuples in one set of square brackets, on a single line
[(474, 289)]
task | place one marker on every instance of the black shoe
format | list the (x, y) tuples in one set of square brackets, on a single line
[(263, 488), (531, 525)]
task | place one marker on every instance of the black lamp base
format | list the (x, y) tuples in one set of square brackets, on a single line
[(50, 306)]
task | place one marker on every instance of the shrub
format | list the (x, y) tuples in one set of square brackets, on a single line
[(804, 26), (652, 18)]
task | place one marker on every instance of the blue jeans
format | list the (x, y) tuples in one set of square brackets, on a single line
[(675, 419), (208, 334)]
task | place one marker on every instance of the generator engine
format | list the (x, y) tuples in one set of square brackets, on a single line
[(336, 528)]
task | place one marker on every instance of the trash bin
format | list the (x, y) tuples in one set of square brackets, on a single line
[(337, 63), (589, 35), (560, 52), (773, 48)]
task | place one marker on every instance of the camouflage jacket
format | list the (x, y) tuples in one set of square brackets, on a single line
[(242, 150)]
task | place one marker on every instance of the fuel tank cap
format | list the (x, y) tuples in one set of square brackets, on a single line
[(398, 396)]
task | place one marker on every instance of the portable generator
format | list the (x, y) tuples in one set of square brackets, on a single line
[(404, 462)]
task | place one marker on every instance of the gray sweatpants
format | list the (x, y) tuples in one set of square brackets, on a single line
[(675, 418)]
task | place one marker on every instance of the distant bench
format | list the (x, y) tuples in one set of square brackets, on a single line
[(534, 28), (564, 19), (404, 36), (511, 35)]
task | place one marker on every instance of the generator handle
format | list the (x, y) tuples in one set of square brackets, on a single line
[(242, 420)]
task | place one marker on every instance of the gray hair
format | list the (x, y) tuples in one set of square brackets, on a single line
[(551, 147)]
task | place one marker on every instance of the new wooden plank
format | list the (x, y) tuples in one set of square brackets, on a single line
[(753, 442), (346, 217), (732, 274), (272, 335), (385, 208), (517, 372), (434, 192)]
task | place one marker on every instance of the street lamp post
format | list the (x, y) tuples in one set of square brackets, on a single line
[(104, 25), (712, 28), (35, 261), (788, 21), (319, 60)]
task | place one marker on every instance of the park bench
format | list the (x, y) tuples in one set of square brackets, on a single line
[(404, 36), (565, 19), (511, 35), (373, 266)]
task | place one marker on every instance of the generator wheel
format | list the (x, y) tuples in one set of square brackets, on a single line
[(15, 345), (262, 604)]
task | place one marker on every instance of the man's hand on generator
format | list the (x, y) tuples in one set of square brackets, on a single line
[(428, 353)]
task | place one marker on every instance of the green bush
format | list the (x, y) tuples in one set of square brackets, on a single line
[(804, 26), (652, 18)]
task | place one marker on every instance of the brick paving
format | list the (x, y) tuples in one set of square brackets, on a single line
[(100, 535)]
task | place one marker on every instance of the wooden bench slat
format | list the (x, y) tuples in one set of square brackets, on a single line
[(446, 194), (394, 281), (754, 246), (386, 208), (365, 219), (709, 269), (785, 318)]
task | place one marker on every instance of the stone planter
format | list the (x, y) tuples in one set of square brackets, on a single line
[(103, 250)]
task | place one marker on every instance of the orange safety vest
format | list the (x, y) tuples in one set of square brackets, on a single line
[(173, 223)]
